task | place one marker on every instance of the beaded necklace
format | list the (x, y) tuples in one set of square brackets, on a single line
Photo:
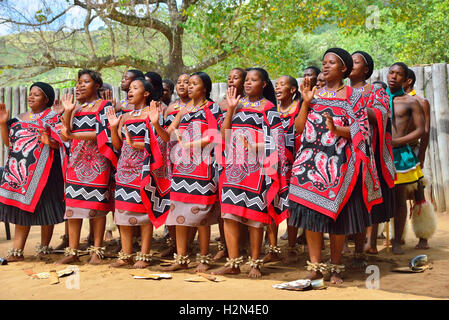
[(89, 105), (181, 106), (192, 108), (35, 116), (246, 103), (284, 114), (138, 112), (327, 93), (362, 89)]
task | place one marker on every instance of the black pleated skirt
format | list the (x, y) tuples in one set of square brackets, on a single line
[(50, 208), (384, 211), (353, 218)]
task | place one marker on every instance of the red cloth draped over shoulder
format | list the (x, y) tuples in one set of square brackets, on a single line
[(378, 100), (327, 167), (104, 133), (253, 184), (29, 162), (195, 172), (155, 184)]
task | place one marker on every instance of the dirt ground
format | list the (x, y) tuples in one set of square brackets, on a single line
[(102, 282)]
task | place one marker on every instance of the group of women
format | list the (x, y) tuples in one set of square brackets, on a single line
[(312, 155)]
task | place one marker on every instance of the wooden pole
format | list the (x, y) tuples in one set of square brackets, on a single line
[(8, 103), (441, 106), (223, 89), (388, 236), (434, 158), (16, 107), (23, 100), (215, 92)]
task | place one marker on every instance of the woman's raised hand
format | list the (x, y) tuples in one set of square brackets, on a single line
[(154, 112), (232, 98), (68, 103), (307, 92), (4, 114), (112, 117)]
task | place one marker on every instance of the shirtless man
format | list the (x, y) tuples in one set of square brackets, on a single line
[(404, 109), (424, 225)]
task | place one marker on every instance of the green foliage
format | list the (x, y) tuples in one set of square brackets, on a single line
[(283, 36)]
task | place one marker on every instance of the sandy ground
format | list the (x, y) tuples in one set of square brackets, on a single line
[(102, 282)]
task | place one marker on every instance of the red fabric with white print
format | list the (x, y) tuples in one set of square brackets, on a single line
[(377, 99), (29, 162), (326, 167)]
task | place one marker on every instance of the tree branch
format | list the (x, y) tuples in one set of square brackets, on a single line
[(211, 61)]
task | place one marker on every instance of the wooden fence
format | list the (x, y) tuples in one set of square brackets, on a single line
[(431, 83)]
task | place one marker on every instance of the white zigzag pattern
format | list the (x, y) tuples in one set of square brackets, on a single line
[(271, 115), (242, 197), (193, 186), (158, 206), (126, 196), (79, 122), (86, 195), (137, 129), (245, 117)]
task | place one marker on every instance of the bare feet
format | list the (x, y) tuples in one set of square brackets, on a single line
[(396, 248), (226, 270), (314, 275), (94, 259), (68, 260), (14, 258), (168, 252), (121, 264), (220, 255), (254, 273), (336, 279), (141, 265), (202, 267), (176, 267), (370, 250), (271, 257), (291, 257), (422, 244)]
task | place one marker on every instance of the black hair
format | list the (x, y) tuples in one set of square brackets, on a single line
[(369, 62), (268, 91), (156, 81), (95, 75), (383, 84), (242, 71), (345, 57), (136, 73), (148, 87), (315, 69), (411, 75), (170, 84), (207, 82), (48, 91), (403, 66), (294, 83)]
